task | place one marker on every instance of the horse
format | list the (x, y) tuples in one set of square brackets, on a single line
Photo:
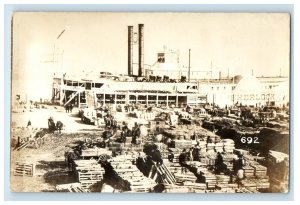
[(59, 126)]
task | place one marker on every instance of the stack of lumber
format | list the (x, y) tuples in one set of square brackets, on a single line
[(247, 190), (195, 187), (249, 184), (24, 169), (248, 171), (263, 184), (173, 188), (181, 144), (72, 187), (202, 145), (115, 146), (228, 159), (196, 166), (210, 147), (209, 158), (219, 147), (126, 170), (223, 183), (185, 177), (95, 152), (208, 161), (256, 183), (259, 170), (176, 158), (208, 178), (87, 165), (228, 145), (148, 116), (128, 142), (89, 172), (223, 179)]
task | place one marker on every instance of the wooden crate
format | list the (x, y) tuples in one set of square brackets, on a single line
[(24, 169), (87, 183)]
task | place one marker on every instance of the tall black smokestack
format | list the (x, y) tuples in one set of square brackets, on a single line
[(130, 50), (141, 49)]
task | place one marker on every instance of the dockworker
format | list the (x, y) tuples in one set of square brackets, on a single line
[(133, 141), (29, 123), (114, 124), (196, 153), (238, 164), (51, 125), (69, 158), (191, 157), (67, 108), (123, 137), (219, 165), (71, 108), (182, 161), (156, 156), (126, 130), (107, 134), (100, 143), (170, 156)]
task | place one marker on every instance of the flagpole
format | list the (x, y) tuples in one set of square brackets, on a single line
[(60, 66)]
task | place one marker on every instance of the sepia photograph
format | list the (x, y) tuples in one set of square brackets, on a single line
[(137, 102)]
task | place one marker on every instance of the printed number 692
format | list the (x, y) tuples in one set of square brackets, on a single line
[(249, 140)]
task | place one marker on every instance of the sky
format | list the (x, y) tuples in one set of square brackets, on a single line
[(94, 42)]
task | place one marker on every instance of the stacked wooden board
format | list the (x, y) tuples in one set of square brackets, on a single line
[(219, 147), (229, 145), (209, 158), (126, 170), (223, 179), (181, 144), (256, 183), (89, 172), (248, 171), (208, 178), (195, 187), (210, 147), (185, 177), (196, 167), (202, 146), (227, 188), (173, 188), (95, 152), (228, 160), (188, 131), (259, 171), (116, 146)]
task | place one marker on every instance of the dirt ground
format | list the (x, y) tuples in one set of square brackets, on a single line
[(48, 157)]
